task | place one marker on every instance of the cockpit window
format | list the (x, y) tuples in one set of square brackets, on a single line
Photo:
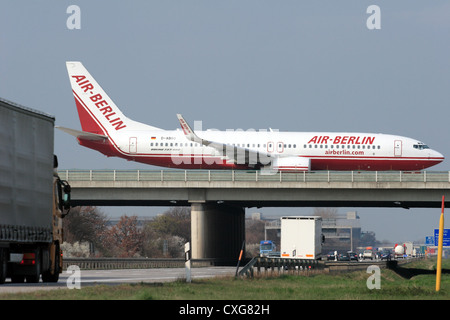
[(420, 146)]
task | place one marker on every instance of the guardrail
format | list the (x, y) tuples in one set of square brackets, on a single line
[(132, 263), (277, 266), (260, 264), (255, 176)]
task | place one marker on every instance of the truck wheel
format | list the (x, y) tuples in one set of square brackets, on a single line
[(3, 265), (47, 276)]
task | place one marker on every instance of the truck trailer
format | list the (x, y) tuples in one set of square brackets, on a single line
[(33, 199), (301, 237)]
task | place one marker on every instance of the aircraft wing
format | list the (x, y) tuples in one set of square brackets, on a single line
[(83, 135), (238, 155)]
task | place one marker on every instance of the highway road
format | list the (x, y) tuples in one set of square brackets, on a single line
[(94, 277)]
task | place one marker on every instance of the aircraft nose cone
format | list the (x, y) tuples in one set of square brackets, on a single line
[(437, 155)]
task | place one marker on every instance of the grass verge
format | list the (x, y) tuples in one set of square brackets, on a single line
[(345, 286)]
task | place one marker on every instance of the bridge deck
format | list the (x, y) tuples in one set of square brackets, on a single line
[(257, 189)]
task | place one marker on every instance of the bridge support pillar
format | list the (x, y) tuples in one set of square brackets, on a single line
[(217, 231)]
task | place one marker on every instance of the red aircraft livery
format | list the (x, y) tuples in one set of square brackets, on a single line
[(343, 140), (99, 102), (106, 129)]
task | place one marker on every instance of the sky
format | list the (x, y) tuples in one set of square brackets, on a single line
[(249, 64)]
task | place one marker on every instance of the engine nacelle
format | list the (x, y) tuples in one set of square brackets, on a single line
[(291, 164)]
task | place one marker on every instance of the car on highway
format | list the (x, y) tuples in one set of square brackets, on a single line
[(368, 254), (331, 256), (386, 255), (344, 257), (353, 255)]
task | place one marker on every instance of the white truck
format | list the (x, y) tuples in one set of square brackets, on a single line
[(301, 237), (399, 251), (32, 197), (409, 248)]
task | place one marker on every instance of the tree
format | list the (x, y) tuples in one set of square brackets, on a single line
[(85, 224), (368, 239), (175, 222), (150, 244), (167, 233), (124, 238)]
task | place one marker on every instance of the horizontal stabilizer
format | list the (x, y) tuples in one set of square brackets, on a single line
[(82, 134)]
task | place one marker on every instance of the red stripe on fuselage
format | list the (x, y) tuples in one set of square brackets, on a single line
[(109, 148), (372, 164)]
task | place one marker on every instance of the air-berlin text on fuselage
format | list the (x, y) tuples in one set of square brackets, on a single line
[(342, 140), (100, 103)]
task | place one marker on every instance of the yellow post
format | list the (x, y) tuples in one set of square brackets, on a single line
[(440, 245)]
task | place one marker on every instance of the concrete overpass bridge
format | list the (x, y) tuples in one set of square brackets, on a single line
[(217, 198)]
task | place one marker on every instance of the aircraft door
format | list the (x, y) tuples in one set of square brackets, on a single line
[(398, 148), (133, 144), (280, 147)]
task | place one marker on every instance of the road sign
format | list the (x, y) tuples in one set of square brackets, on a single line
[(446, 242), (429, 241)]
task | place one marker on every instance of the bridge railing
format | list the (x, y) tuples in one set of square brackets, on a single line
[(254, 175)]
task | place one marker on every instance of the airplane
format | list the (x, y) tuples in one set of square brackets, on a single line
[(106, 129)]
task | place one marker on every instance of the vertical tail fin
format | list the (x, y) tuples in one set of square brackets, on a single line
[(98, 113)]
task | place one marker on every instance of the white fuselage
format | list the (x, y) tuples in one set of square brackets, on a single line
[(326, 150)]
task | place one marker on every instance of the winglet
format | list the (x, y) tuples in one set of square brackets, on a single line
[(188, 132)]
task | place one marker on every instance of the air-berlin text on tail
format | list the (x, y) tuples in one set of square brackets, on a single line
[(99, 102), (342, 140)]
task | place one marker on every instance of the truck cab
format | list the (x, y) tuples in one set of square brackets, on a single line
[(267, 248)]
